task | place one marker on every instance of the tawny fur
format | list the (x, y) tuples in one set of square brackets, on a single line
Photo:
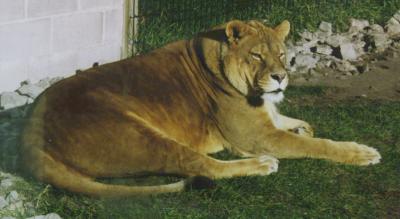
[(165, 111)]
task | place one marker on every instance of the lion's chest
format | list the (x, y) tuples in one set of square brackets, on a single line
[(272, 112)]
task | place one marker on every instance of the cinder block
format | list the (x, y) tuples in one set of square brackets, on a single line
[(11, 10), (12, 73), (38, 8), (114, 20), (89, 4), (77, 31), (61, 64), (101, 54), (20, 40)]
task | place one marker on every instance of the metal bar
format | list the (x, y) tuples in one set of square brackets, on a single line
[(126, 41), (135, 26)]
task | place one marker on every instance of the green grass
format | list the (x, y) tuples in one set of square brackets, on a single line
[(301, 188), (165, 21)]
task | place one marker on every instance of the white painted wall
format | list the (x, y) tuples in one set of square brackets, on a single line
[(49, 38)]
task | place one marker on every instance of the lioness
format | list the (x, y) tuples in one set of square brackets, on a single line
[(165, 111)]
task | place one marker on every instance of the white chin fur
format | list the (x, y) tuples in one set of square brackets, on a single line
[(273, 97)]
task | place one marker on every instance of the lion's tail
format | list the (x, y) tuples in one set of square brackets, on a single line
[(49, 170)]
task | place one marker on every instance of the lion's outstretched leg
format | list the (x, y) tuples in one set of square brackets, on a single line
[(284, 144), (295, 125), (187, 162)]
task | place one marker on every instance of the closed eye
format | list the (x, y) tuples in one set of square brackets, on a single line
[(256, 56)]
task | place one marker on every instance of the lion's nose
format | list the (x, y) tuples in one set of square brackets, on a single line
[(278, 77)]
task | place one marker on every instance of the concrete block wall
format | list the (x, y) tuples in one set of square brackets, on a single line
[(49, 38)]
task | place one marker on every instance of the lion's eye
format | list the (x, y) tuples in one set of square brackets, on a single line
[(256, 56)]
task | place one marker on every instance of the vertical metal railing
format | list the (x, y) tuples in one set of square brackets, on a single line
[(135, 26)]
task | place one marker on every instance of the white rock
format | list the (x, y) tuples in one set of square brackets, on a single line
[(48, 216), (357, 25), (322, 36), (290, 54), (345, 66), (10, 100), (44, 83), (305, 62), (307, 35), (55, 80), (360, 36), (37, 217), (47, 82), (307, 46), (359, 44), (5, 175), (376, 28), (382, 41), (52, 216), (393, 28), (3, 202), (324, 49), (292, 69), (30, 90), (337, 40), (326, 63), (326, 27), (5, 183), (397, 16), (17, 206), (393, 21), (301, 49), (348, 51), (30, 100), (13, 197)]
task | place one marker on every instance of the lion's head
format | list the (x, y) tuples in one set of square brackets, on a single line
[(254, 60), (251, 57)]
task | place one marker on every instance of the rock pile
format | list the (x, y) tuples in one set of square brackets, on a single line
[(25, 94), (13, 203), (344, 52), (10, 200)]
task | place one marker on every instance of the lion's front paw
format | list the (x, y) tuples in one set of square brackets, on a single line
[(304, 129), (362, 155), (267, 165)]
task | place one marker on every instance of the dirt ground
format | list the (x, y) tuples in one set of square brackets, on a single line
[(382, 82)]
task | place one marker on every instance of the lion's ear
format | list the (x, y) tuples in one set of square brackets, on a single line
[(235, 30), (282, 30)]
